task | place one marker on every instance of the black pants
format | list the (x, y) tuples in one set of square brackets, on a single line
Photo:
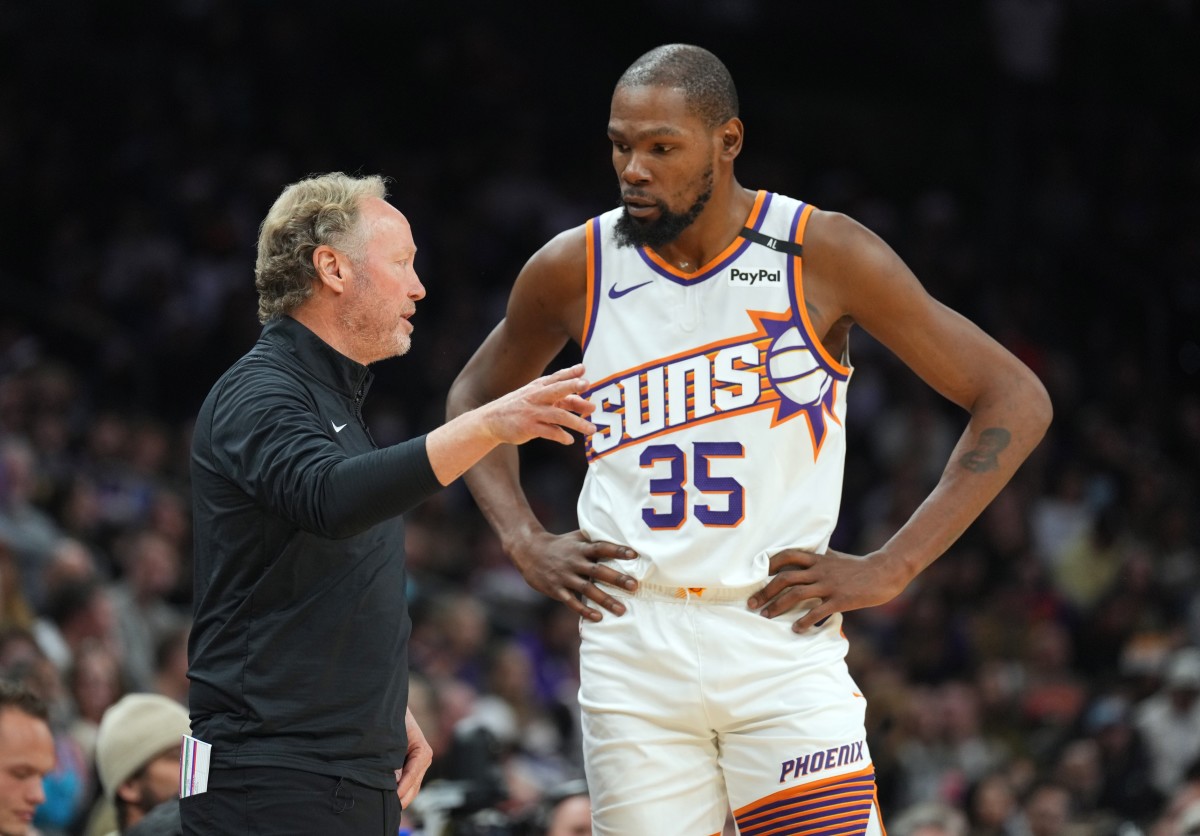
[(262, 801)]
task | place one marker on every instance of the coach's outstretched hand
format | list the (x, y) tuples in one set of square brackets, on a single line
[(544, 408)]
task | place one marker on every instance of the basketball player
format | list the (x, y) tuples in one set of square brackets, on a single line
[(715, 324)]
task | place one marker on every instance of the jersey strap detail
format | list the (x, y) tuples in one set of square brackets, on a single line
[(780, 246)]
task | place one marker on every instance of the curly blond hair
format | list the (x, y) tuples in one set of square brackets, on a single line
[(320, 209)]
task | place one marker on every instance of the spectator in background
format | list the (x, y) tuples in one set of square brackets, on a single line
[(94, 683), (1054, 693), (26, 757), (1189, 820), (1126, 779), (30, 532), (137, 755), (1046, 810), (18, 648), (929, 818), (1169, 721), (1170, 820), (170, 665), (163, 820), (79, 611), (150, 568), (15, 609), (568, 811), (450, 640), (68, 785), (1079, 769), (991, 806)]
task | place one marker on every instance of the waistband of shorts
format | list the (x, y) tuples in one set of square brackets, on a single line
[(691, 594)]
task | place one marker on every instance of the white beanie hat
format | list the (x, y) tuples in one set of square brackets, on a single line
[(134, 730)]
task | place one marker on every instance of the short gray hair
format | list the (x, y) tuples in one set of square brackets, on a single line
[(320, 209)]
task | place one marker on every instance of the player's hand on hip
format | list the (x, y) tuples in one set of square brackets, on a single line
[(568, 568), (828, 583), (543, 408)]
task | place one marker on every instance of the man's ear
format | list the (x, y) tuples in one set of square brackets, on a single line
[(732, 133), (328, 263), (129, 792)]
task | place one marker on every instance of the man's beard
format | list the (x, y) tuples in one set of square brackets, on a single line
[(631, 232), (375, 339)]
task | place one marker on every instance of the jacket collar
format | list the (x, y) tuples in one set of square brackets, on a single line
[(320, 359)]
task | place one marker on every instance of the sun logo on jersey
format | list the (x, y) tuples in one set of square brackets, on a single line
[(773, 367)]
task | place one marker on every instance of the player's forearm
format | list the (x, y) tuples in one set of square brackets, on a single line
[(495, 480), (1004, 429), (495, 484)]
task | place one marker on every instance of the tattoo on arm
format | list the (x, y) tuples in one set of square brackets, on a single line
[(986, 455)]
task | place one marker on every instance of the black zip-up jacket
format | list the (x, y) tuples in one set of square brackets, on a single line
[(298, 655)]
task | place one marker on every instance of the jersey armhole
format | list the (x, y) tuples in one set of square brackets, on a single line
[(592, 302)]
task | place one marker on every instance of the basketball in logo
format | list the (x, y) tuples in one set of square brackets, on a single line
[(795, 371)]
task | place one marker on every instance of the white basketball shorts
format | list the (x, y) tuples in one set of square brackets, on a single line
[(693, 705)]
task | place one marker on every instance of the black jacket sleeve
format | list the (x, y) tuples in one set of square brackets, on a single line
[(268, 437)]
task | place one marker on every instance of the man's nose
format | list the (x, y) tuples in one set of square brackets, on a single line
[(37, 792), (635, 171)]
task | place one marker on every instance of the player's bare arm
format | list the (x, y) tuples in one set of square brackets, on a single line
[(545, 309), (851, 275)]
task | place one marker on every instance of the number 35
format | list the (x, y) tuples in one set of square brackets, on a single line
[(673, 485)]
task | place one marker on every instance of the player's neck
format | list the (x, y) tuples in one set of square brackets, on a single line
[(720, 222)]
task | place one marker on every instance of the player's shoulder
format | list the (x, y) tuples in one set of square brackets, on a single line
[(831, 228), (834, 239)]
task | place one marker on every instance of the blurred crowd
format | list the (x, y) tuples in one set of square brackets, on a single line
[(1035, 162)]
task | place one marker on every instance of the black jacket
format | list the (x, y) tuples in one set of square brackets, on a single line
[(298, 651)]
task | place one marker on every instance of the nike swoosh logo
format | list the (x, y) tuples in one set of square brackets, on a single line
[(613, 293), (338, 429)]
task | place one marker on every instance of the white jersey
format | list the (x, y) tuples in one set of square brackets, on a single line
[(720, 415)]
